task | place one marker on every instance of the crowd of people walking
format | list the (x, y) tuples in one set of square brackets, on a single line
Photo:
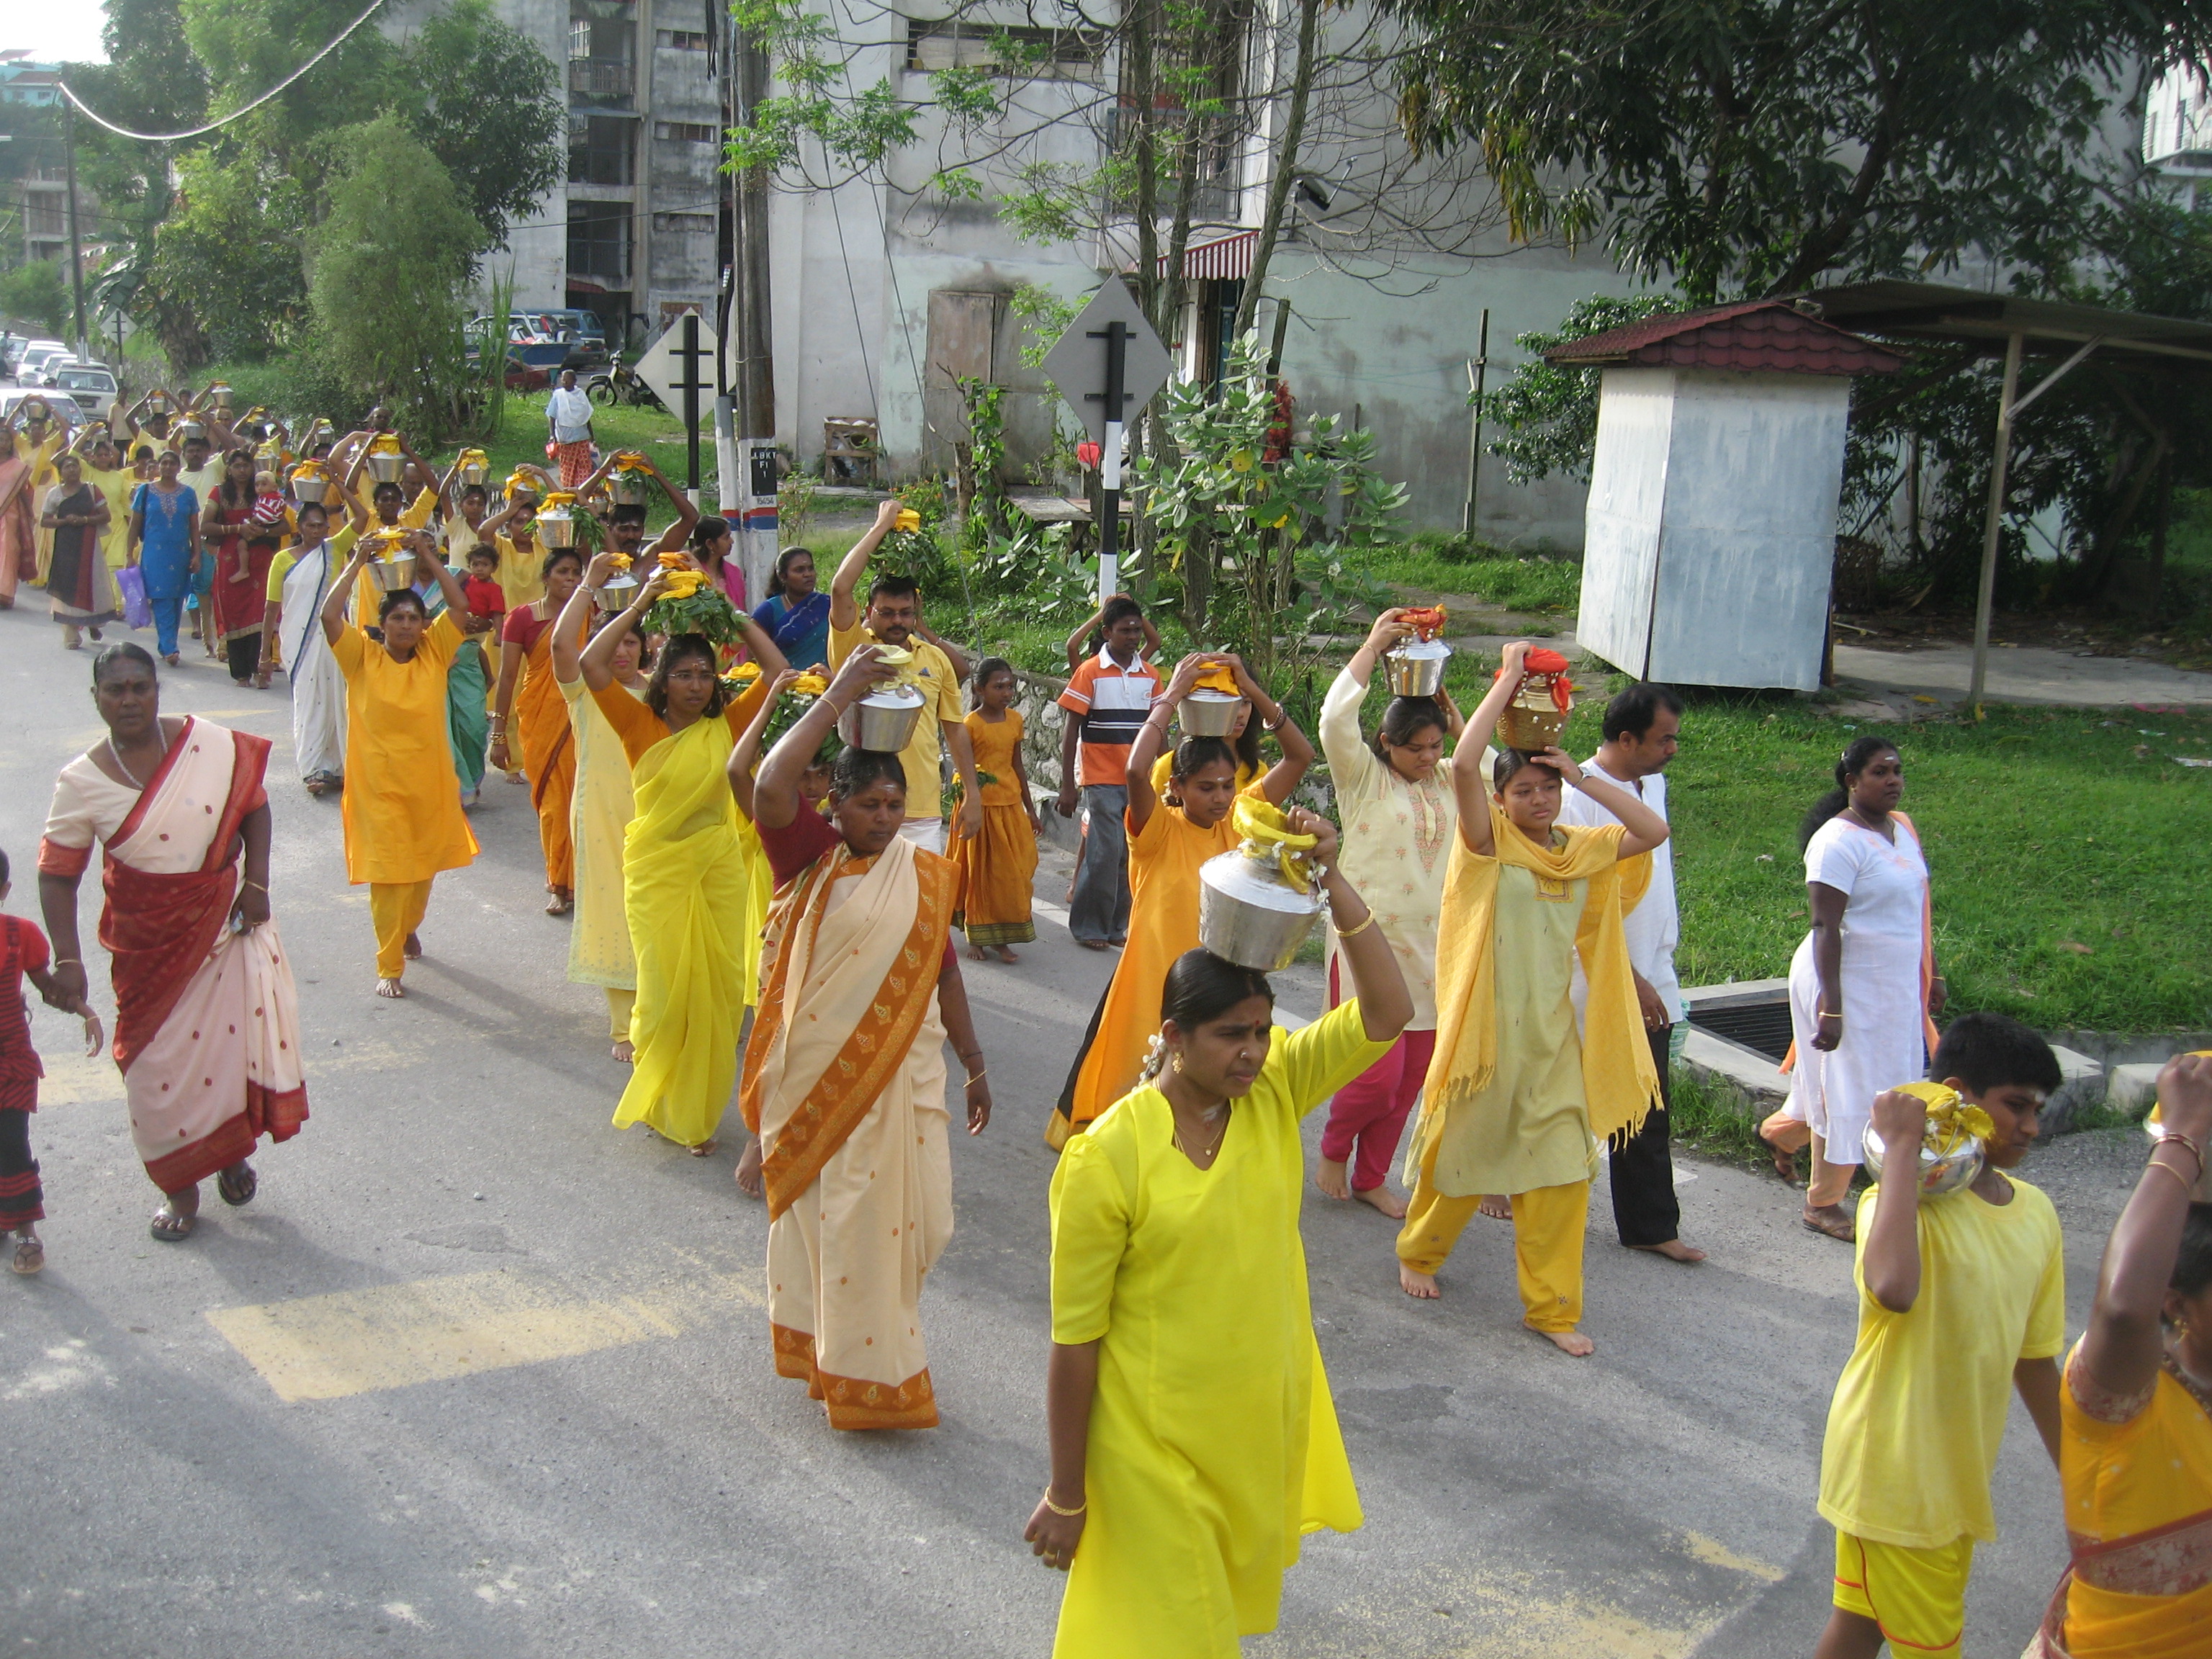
[(769, 908)]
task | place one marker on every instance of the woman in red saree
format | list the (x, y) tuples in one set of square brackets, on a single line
[(207, 1027), (244, 547)]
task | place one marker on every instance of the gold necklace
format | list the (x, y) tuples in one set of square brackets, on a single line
[(1206, 1156)]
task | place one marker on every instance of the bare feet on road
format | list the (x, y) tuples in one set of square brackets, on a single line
[(1382, 1199), (1496, 1206), (1570, 1342), (749, 1169), (1422, 1287), (1673, 1250), (1328, 1175)]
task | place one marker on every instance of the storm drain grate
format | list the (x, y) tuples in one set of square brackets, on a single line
[(1763, 1026)]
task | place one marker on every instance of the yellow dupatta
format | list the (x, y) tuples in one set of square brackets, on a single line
[(686, 894), (1619, 1084), (809, 1082)]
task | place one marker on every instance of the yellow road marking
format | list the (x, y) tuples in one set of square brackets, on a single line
[(1715, 1553), (391, 1336)]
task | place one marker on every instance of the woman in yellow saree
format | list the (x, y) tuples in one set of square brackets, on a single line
[(529, 696), (1514, 1093), (600, 951), (1194, 1439), (845, 1073), (2135, 1457), (688, 881)]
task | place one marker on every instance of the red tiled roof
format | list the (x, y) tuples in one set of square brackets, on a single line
[(1770, 335)]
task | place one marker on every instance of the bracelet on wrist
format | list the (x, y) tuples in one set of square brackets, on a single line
[(2176, 1138), (1065, 1513)]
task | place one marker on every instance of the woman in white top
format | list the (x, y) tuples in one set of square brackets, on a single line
[(1862, 983), (1399, 817)]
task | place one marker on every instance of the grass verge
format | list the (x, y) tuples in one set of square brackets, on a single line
[(1711, 1119)]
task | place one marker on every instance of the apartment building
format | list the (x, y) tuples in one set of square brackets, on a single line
[(631, 233)]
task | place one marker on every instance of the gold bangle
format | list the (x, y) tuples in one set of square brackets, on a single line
[(255, 885), (2188, 1186), (2181, 1139), (974, 1078), (1056, 1508), (77, 962), (1343, 932)]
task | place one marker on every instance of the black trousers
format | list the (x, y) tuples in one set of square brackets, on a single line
[(20, 1199), (1644, 1210), (244, 651)]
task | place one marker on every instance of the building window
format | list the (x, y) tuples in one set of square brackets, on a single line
[(600, 149), (957, 42), (685, 132), (579, 39), (684, 224), (682, 40), (599, 241)]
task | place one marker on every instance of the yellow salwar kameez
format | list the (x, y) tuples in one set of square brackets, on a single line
[(403, 817), (599, 941), (2137, 1476), (521, 574), (996, 867), (1214, 1441), (689, 893), (1514, 1095), (845, 1085), (115, 486), (1164, 861)]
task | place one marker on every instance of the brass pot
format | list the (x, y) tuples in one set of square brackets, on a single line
[(1532, 721)]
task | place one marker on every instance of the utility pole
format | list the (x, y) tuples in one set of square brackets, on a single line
[(1478, 370), (752, 386), (76, 250)]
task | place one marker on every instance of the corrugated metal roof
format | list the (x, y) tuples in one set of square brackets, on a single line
[(1765, 336), (1220, 260), (1932, 311)]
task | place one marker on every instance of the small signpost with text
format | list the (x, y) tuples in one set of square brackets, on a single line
[(1107, 365)]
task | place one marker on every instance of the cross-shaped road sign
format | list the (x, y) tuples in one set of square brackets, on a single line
[(675, 367), (1107, 366)]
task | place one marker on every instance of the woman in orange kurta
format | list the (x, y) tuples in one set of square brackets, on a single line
[(2135, 1456), (536, 705), (403, 816), (1169, 839), (997, 866)]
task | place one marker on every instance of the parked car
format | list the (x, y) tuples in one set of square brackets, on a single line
[(62, 405), (91, 386), (34, 356)]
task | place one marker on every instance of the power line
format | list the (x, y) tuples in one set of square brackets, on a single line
[(339, 40)]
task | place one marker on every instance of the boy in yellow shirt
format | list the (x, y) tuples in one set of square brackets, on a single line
[(1961, 1298)]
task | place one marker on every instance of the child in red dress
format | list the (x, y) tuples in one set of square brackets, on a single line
[(24, 954)]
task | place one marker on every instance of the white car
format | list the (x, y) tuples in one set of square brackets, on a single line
[(36, 357), (64, 406), (91, 387)]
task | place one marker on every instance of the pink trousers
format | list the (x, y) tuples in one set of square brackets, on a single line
[(1369, 1113)]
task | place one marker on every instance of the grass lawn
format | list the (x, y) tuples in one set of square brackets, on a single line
[(522, 438), (1430, 565), (2066, 853)]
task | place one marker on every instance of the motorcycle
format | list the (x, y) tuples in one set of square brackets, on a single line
[(618, 383)]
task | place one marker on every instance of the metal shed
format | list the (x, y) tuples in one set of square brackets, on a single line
[(1710, 538)]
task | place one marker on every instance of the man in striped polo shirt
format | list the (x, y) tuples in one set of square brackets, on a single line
[(1106, 700)]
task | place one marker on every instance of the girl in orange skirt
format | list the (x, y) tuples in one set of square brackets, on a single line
[(997, 866)]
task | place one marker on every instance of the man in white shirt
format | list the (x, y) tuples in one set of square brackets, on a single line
[(1641, 731), (568, 423)]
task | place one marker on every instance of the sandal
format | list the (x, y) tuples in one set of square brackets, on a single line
[(1832, 1223), (30, 1255), (170, 1227), (241, 1191)]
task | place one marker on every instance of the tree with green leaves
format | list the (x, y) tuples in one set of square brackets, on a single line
[(35, 293), (386, 275), (1756, 148)]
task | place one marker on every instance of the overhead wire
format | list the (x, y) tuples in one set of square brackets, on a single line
[(100, 121)]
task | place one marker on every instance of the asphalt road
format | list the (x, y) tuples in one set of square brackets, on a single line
[(478, 1375)]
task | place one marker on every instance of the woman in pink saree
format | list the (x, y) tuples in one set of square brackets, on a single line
[(207, 1025)]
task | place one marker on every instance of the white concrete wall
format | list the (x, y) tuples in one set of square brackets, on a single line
[(1746, 470)]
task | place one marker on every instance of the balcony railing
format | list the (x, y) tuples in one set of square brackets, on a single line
[(602, 77)]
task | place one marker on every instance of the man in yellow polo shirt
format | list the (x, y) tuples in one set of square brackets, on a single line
[(894, 617)]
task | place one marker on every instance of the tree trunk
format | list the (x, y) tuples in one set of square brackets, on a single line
[(1285, 164)]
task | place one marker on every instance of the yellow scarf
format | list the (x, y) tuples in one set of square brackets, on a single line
[(1620, 1084)]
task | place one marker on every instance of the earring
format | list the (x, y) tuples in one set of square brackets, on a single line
[(1177, 1063)]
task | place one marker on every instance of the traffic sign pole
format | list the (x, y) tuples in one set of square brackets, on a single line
[(691, 355), (1116, 335), (1111, 347)]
